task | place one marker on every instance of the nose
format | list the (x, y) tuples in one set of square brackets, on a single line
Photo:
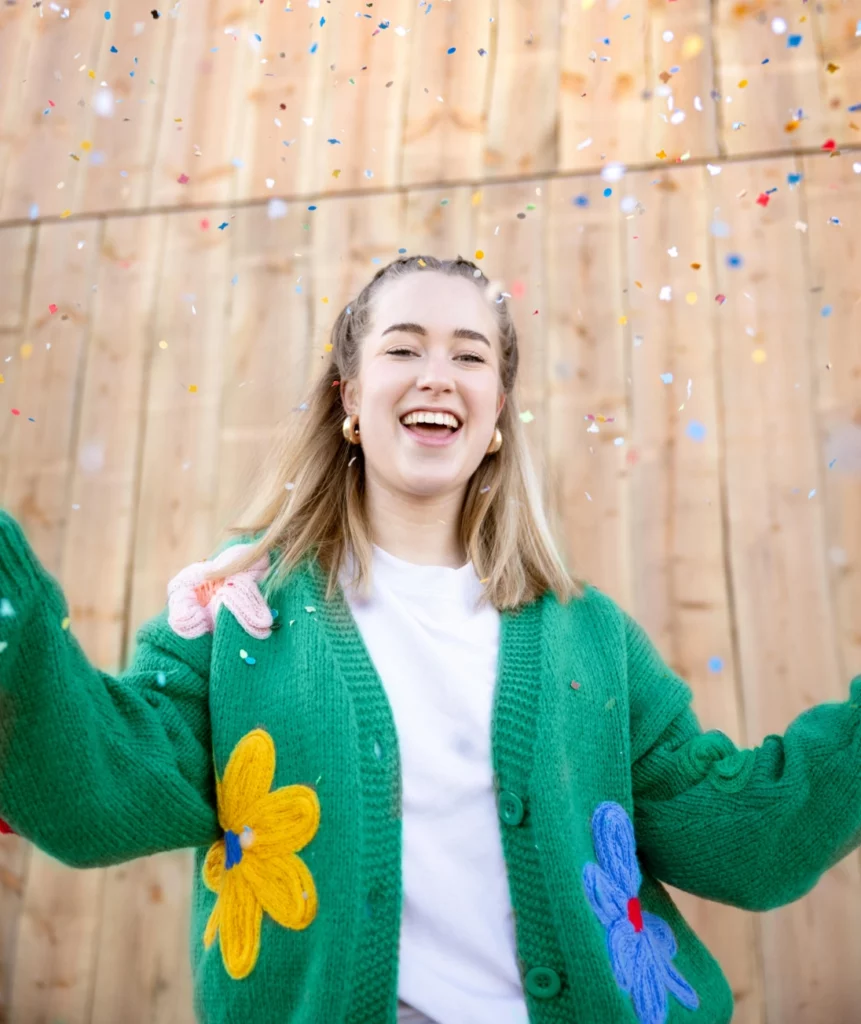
[(435, 375)]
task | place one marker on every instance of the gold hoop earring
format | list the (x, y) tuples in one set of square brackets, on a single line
[(496, 443), (350, 429)]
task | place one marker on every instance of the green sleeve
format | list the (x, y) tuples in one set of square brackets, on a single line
[(97, 769), (755, 828)]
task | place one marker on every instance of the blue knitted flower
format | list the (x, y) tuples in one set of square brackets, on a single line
[(640, 944)]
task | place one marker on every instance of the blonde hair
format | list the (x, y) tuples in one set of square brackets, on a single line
[(309, 492)]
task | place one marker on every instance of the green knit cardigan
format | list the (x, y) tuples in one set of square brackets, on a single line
[(276, 759)]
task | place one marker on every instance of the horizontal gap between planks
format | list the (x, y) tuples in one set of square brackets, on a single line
[(432, 186)]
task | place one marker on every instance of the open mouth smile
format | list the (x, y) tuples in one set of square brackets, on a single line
[(433, 435)]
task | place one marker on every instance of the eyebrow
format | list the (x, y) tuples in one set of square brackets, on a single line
[(458, 332)]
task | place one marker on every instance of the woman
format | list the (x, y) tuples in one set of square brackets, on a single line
[(428, 776)]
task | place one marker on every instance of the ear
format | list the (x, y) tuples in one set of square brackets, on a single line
[(349, 396), (501, 403)]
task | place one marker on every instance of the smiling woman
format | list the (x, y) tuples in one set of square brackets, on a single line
[(412, 441)]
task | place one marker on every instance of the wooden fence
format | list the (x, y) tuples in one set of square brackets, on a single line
[(671, 193)]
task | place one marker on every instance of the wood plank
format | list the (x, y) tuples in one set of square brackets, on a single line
[(16, 256), (831, 190), (682, 112), (445, 231), (271, 350), (18, 34), (58, 916), (682, 596), (347, 94), (204, 105), (584, 369), (512, 237), (54, 68), (762, 116), (840, 70), (606, 90), (787, 644), (98, 552), (445, 115), (118, 170), (521, 132), (275, 144), (143, 971)]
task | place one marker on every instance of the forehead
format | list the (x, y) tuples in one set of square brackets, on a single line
[(435, 301)]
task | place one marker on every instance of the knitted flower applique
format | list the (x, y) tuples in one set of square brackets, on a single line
[(641, 945), (254, 868), (193, 603)]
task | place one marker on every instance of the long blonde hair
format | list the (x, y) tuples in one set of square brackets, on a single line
[(309, 492)]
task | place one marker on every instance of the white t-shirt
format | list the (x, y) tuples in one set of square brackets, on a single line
[(437, 658)]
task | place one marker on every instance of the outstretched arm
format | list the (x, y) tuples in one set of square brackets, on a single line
[(97, 769), (755, 828)]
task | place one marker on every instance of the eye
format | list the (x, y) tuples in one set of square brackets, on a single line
[(464, 355), (475, 356)]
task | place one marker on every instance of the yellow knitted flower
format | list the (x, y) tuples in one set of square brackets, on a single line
[(255, 867)]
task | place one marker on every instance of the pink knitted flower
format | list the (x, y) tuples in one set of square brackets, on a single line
[(193, 604)]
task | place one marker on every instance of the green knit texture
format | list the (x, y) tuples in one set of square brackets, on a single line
[(97, 769)]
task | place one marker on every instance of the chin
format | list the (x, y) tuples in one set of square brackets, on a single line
[(426, 485)]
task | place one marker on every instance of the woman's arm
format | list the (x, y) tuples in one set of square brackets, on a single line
[(755, 828), (97, 769)]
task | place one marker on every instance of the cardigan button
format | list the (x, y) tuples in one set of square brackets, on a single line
[(510, 807), (543, 982)]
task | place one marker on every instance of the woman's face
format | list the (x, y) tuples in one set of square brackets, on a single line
[(433, 345)]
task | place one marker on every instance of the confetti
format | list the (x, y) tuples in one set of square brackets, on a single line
[(734, 260), (794, 41)]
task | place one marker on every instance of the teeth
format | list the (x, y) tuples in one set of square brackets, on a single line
[(443, 419)]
